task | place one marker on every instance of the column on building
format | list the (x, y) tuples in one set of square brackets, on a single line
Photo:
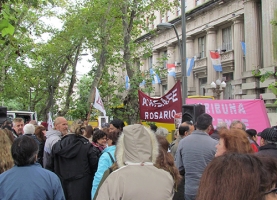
[(252, 42), (170, 60), (211, 45), (155, 57), (190, 54), (238, 55), (269, 55)]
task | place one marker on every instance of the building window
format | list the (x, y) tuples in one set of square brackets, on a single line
[(150, 62), (227, 38), (165, 59), (202, 47), (202, 86), (197, 2)]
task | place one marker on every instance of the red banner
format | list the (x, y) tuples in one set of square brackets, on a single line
[(161, 109)]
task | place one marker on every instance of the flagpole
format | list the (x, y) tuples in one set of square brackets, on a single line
[(91, 105)]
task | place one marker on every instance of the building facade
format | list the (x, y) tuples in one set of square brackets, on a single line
[(222, 26)]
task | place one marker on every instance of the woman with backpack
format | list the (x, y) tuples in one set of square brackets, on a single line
[(106, 160)]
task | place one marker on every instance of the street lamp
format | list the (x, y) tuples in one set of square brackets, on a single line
[(216, 87), (166, 25)]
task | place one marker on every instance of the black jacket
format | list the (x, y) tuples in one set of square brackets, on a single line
[(75, 162), (268, 150)]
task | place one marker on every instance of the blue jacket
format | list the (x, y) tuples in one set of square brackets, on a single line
[(30, 182), (104, 163)]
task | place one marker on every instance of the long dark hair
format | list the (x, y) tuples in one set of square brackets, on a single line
[(165, 160)]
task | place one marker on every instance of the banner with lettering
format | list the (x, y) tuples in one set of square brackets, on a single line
[(161, 109), (250, 112)]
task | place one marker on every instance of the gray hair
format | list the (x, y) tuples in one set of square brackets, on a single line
[(162, 131), (234, 122), (221, 125)]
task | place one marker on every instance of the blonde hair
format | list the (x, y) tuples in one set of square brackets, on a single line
[(77, 127), (6, 161)]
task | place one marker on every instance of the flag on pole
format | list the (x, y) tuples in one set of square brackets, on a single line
[(171, 70), (190, 65), (243, 47), (127, 82), (50, 122), (215, 57), (98, 104), (156, 78)]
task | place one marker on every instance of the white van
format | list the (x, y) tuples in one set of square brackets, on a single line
[(27, 116)]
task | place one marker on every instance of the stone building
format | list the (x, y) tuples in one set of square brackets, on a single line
[(222, 26)]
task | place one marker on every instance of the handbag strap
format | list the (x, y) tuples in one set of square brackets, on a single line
[(111, 156)]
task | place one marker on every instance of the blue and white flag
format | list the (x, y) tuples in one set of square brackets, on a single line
[(127, 82), (156, 78), (243, 47), (190, 65), (142, 84)]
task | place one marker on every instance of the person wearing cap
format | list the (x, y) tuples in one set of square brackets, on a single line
[(137, 178), (268, 142)]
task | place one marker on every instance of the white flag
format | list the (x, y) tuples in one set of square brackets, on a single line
[(50, 122), (98, 104)]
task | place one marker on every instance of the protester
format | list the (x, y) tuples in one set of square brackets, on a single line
[(252, 135), (27, 179), (220, 125), (18, 124), (137, 178), (185, 129), (268, 142), (45, 124), (34, 122), (165, 160), (7, 124), (237, 124), (116, 125), (75, 162), (99, 140), (40, 133), (153, 128), (233, 140), (162, 131), (6, 161), (240, 177), (194, 153), (106, 160), (53, 136), (88, 133)]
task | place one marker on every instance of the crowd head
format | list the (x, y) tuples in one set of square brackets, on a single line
[(116, 125), (233, 140), (24, 151), (237, 124), (240, 177)]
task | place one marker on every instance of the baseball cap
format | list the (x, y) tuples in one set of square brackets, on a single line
[(269, 134)]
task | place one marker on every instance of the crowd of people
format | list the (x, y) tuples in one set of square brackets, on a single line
[(137, 162)]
